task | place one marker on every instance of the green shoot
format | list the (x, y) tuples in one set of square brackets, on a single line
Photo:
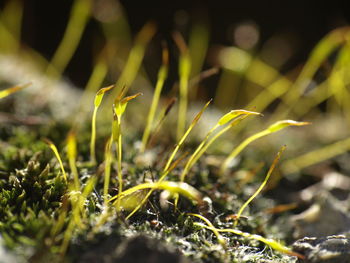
[(97, 102), (99, 72), (173, 187), (61, 217), (72, 156), (268, 241), (11, 16), (323, 49), (168, 167), (78, 19), (55, 151), (162, 75), (163, 115), (184, 74), (119, 107), (198, 46), (272, 167), (136, 55), (77, 206), (271, 129), (6, 92), (108, 161), (174, 164), (228, 117), (316, 156), (183, 138), (219, 237)]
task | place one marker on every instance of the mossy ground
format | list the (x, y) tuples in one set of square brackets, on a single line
[(46, 218), (33, 193)]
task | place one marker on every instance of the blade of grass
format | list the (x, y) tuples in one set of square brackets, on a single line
[(162, 75), (168, 165), (97, 102), (135, 58), (55, 151), (183, 138), (219, 237), (77, 206), (205, 144), (184, 74), (198, 46), (99, 72), (108, 162), (119, 107), (11, 16), (322, 50), (72, 156), (316, 156), (6, 92), (270, 242), (173, 187), (272, 167), (163, 115), (77, 22), (271, 129)]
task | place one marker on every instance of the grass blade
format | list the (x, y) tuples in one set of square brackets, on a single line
[(271, 129), (162, 75), (55, 151), (272, 167), (11, 90), (97, 102)]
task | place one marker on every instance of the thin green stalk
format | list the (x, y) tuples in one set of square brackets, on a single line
[(271, 129), (234, 116), (270, 242), (108, 161), (77, 22), (168, 166), (183, 138), (184, 74), (162, 75), (72, 154), (240, 147), (134, 60), (93, 137), (55, 151), (272, 167), (97, 103), (219, 237), (119, 107), (6, 92)]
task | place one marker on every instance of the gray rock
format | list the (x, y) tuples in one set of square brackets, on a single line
[(331, 249)]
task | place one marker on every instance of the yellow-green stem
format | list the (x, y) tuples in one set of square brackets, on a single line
[(160, 82), (240, 147), (272, 167), (76, 25), (108, 161), (93, 137)]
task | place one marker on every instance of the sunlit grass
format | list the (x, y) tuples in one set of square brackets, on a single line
[(119, 107), (57, 155), (97, 103), (184, 75), (7, 92), (72, 155), (162, 75), (79, 17), (269, 130), (272, 167)]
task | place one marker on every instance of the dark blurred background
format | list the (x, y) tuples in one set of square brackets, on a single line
[(305, 22)]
